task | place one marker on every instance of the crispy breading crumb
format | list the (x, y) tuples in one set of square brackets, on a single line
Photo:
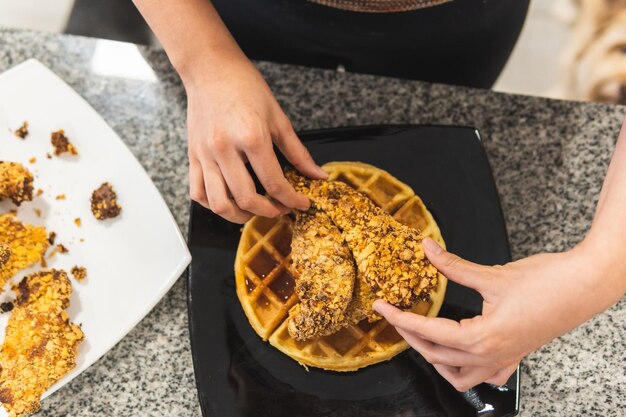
[(22, 131), (78, 222), (39, 192), (27, 244), (61, 143), (61, 248), (79, 272), (40, 342), (60, 197), (48, 155), (104, 203), (387, 253), (52, 237), (32, 160), (37, 212), (16, 182)]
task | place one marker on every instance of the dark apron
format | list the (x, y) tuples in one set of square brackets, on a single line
[(463, 42)]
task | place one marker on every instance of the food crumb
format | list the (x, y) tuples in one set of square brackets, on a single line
[(104, 203), (44, 264), (22, 131), (32, 160), (61, 143), (39, 192), (48, 155), (37, 212), (62, 249), (60, 197), (16, 182), (79, 272), (8, 306), (78, 222), (51, 237)]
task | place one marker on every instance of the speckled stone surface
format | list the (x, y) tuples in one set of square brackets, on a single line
[(548, 158)]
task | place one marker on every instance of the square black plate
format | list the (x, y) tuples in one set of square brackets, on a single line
[(239, 375)]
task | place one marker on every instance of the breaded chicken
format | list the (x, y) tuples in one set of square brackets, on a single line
[(325, 276), (388, 254), (27, 244), (16, 182), (360, 306), (40, 343)]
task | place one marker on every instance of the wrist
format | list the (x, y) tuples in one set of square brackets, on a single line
[(605, 264), (211, 63)]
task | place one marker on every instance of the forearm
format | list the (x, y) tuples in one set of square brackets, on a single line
[(192, 34), (606, 241)]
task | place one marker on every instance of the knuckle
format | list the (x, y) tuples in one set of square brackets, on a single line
[(452, 260), (245, 202), (197, 194), (486, 348), (218, 145), (476, 335), (274, 187), (219, 207), (398, 317), (252, 140)]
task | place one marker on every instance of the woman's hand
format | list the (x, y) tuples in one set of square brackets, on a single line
[(233, 118), (526, 304)]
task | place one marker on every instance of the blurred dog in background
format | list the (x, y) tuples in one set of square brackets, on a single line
[(594, 66)]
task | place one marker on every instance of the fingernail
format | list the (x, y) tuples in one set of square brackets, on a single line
[(377, 304), (431, 246)]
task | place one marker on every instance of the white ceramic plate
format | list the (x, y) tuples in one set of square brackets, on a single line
[(133, 260)]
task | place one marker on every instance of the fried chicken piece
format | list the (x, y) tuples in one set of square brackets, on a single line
[(16, 182), (40, 343), (388, 254), (325, 276), (27, 244), (360, 306)]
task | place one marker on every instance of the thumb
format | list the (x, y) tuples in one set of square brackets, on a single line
[(454, 267)]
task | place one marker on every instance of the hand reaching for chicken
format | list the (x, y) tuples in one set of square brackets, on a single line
[(527, 303)]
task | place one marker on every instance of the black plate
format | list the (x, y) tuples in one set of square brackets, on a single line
[(238, 375)]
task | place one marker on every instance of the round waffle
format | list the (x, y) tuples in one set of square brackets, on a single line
[(265, 278)]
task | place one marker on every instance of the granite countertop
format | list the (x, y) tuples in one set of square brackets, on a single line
[(548, 157)]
